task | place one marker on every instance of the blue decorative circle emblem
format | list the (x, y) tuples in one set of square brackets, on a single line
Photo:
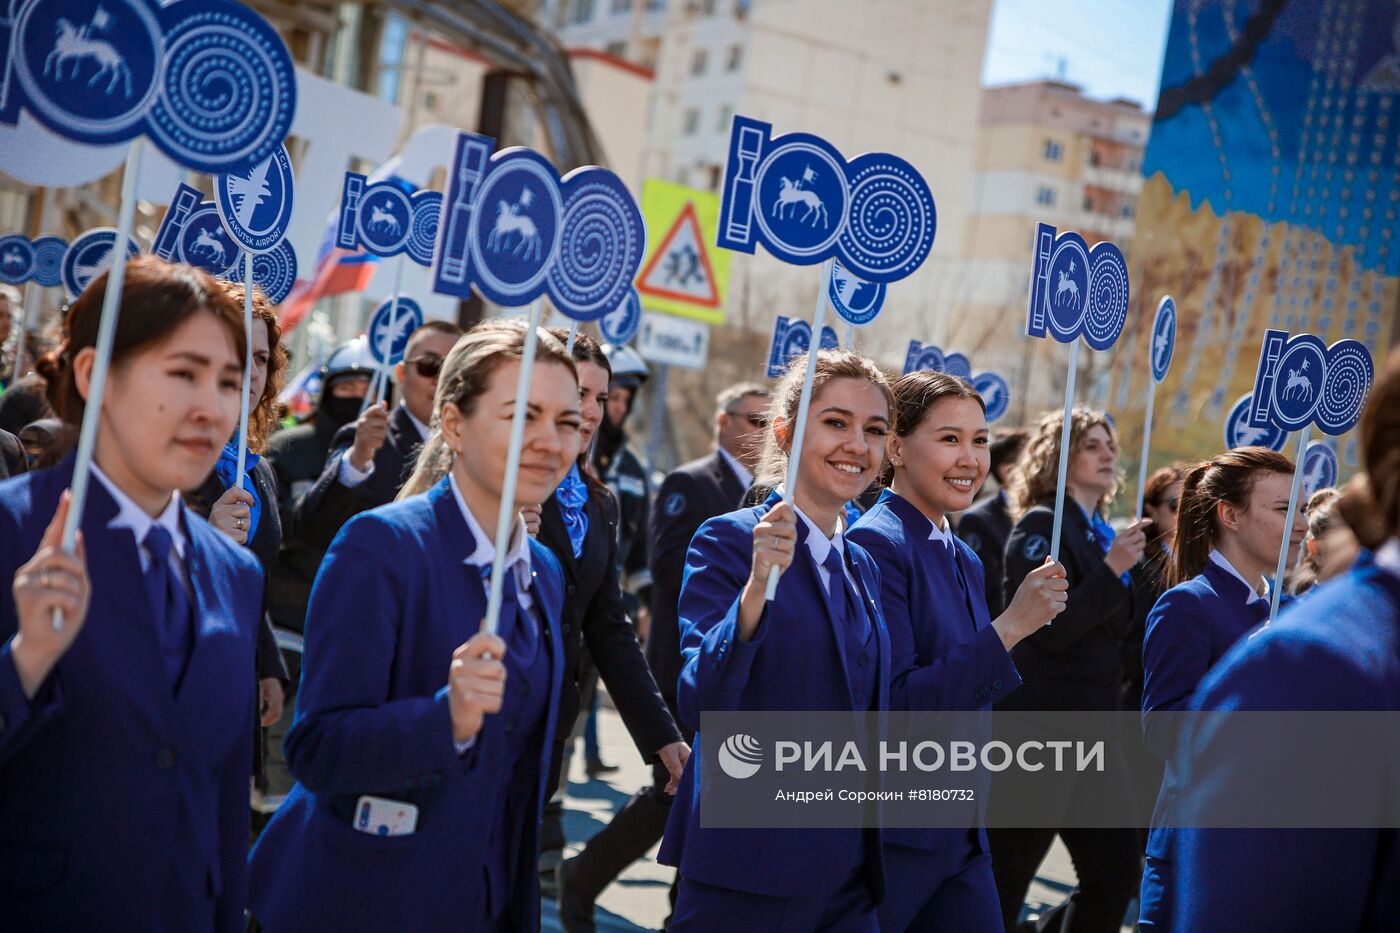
[(228, 89), (1350, 372), (855, 300), (1077, 291), (1067, 288), (89, 68), (389, 330), (620, 325), (920, 357), (274, 272), (385, 218), (955, 364), (89, 256), (16, 259), (48, 260), (515, 231), (996, 394), (1163, 338), (205, 244), (1297, 385), (1035, 547), (1240, 433), (422, 238), (892, 218), (601, 244), (803, 196), (256, 202), (1107, 310), (1319, 467)]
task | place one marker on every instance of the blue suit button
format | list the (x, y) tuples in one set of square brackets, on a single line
[(165, 759), (996, 685)]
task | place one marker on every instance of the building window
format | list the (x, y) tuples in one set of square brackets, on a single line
[(616, 49), (430, 100), (716, 173), (691, 122), (1053, 151), (726, 117), (654, 6), (1088, 202), (583, 11), (736, 58), (698, 62), (621, 6), (1045, 196), (1127, 210)]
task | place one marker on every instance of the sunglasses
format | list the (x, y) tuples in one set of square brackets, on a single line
[(755, 419), (428, 365)]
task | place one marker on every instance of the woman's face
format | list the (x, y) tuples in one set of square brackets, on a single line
[(1257, 529), (593, 399), (262, 358), (845, 443), (552, 433), (941, 464), (1163, 514), (168, 409), (1093, 468)]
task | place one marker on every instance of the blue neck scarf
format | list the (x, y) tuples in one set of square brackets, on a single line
[(572, 496), (1102, 534), (225, 469)]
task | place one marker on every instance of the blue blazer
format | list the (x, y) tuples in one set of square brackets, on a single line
[(1338, 649), (122, 803), (795, 661), (392, 601), (942, 657)]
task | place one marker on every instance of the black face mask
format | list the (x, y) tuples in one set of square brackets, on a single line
[(341, 411)]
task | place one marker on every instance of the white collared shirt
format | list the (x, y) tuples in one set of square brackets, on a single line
[(819, 546), (744, 473), (517, 558), (944, 534), (422, 428), (1254, 595), (132, 516)]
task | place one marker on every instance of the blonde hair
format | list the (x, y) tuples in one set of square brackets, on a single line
[(1036, 475), (466, 372), (831, 364)]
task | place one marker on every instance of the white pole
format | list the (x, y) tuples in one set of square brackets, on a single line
[(1276, 590), (1146, 444), (804, 403), (850, 336), (30, 299), (106, 332), (573, 336), (247, 368), (393, 328), (1064, 450), (505, 520)]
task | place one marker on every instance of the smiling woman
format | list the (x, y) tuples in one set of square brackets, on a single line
[(163, 618)]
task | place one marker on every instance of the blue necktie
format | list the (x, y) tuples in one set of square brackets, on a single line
[(839, 595), (1102, 534), (516, 627), (962, 579), (572, 496), (170, 605)]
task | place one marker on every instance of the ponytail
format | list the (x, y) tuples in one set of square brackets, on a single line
[(1228, 477)]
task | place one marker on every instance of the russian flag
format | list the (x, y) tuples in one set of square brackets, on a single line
[(338, 270)]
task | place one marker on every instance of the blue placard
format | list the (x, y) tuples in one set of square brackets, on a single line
[(920, 356), (1240, 433), (387, 336), (804, 202), (1319, 467), (511, 229), (427, 209), (255, 203), (621, 325), (1163, 338), (855, 300), (1300, 381), (48, 260), (274, 272), (16, 259), (1075, 290), (955, 364), (209, 81), (996, 394), (89, 256), (792, 338), (191, 233)]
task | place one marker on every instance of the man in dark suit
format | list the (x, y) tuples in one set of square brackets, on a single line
[(697, 491), (369, 460), (986, 526)]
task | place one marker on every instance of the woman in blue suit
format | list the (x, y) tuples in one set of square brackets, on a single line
[(124, 752), (421, 745), (820, 645), (1336, 649), (946, 651), (1230, 525)]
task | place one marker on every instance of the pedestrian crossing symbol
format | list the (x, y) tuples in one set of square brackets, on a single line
[(683, 274)]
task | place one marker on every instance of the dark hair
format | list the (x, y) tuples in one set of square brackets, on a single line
[(263, 419), (157, 298), (1380, 443), (1006, 448), (915, 395), (586, 350), (1154, 493), (1227, 477), (437, 326)]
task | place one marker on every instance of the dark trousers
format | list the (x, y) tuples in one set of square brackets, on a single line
[(703, 908), (1106, 861), (628, 836), (930, 892)]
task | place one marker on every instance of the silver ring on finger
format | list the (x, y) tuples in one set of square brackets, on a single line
[(44, 577)]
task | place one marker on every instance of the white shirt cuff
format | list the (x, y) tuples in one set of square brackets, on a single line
[(463, 746), (350, 477)]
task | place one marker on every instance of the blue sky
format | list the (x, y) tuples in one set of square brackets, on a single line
[(1111, 48)]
